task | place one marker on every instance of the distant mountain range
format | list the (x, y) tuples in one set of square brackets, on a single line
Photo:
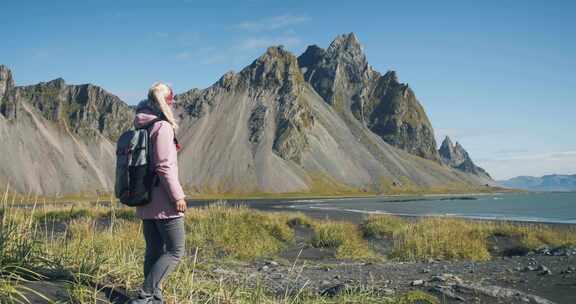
[(554, 182), (322, 122)]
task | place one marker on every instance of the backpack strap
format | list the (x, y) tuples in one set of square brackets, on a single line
[(150, 124), (155, 180)]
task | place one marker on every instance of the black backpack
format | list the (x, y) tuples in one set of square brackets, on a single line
[(134, 177)]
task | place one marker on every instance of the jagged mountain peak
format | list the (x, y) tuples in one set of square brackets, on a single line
[(6, 81), (346, 43), (345, 80), (273, 54), (344, 57), (452, 154), (58, 82), (275, 68), (446, 143), (391, 76), (455, 156), (447, 147), (311, 56), (346, 53)]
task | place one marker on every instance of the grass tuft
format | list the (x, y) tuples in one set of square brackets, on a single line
[(345, 237)]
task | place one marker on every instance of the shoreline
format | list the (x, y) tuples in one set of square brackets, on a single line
[(280, 205), (286, 196)]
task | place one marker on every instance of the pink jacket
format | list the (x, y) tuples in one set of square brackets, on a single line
[(164, 160)]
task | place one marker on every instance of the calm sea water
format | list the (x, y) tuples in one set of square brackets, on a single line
[(534, 207)]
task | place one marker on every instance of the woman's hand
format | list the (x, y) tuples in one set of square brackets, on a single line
[(181, 206)]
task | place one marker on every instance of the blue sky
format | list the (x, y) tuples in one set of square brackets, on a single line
[(497, 76)]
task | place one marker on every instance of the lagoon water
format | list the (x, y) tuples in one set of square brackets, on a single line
[(549, 207)]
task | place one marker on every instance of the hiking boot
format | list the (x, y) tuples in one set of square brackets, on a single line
[(147, 298)]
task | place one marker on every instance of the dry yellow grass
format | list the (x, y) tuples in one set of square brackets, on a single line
[(383, 225), (345, 237), (239, 232), (441, 238), (451, 238)]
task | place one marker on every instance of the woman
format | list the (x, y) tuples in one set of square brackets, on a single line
[(162, 217)]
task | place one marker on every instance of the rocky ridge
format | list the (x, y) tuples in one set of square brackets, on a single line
[(455, 156), (59, 138), (342, 76)]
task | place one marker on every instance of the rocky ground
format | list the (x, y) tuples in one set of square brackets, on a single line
[(547, 275), (534, 279), (537, 279)]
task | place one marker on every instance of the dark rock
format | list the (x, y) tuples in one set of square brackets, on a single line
[(272, 263), (388, 291), (334, 290), (447, 291), (502, 293), (264, 268), (543, 250), (543, 270), (529, 268), (6, 81), (455, 156), (8, 102), (447, 278), (325, 283), (563, 251)]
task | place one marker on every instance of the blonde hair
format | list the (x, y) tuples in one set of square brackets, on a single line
[(157, 94)]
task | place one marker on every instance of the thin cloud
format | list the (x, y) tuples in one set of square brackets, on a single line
[(242, 52), (160, 34), (264, 42), (272, 23), (48, 53), (510, 151), (198, 53), (183, 55), (215, 59)]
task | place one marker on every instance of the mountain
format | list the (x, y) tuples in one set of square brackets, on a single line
[(342, 76), (323, 122), (554, 182), (58, 138), (455, 156)]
